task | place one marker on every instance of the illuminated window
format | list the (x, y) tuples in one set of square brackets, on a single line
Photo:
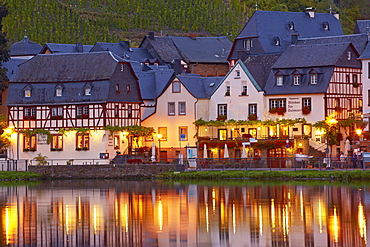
[(82, 142), (27, 93), (29, 143), (116, 141), (56, 143), (163, 132)]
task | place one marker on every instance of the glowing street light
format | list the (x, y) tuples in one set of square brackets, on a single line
[(159, 136)]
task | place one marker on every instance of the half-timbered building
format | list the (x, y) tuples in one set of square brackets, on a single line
[(74, 97)]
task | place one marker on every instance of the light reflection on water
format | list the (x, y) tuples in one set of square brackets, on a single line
[(155, 213)]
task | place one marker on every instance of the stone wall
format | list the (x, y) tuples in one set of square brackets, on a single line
[(102, 171)]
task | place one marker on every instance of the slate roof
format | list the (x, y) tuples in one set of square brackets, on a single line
[(162, 47), (152, 82), (270, 24), (69, 67), (66, 48), (362, 26), (200, 87), (366, 53), (12, 67), (300, 56), (123, 50), (359, 41), (72, 71), (203, 49), (259, 66), (25, 47)]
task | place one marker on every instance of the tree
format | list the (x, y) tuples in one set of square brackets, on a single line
[(4, 51)]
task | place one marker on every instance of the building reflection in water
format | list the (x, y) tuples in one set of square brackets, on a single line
[(143, 213)]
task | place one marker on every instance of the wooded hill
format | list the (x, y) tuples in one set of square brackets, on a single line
[(90, 21)]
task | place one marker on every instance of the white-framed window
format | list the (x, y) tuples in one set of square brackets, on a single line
[(59, 92), (176, 87), (182, 108), (244, 89), (252, 109), (279, 80), (57, 111), (171, 108), (275, 103), (56, 143), (296, 80), (82, 141), (247, 44), (122, 67), (277, 41), (349, 55), (222, 110), (306, 102), (88, 91), (313, 78), (291, 26), (27, 93), (237, 73)]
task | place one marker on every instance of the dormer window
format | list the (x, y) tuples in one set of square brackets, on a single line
[(325, 26), (247, 44), (276, 41), (59, 90), (122, 67), (296, 80), (87, 89), (313, 79), (27, 91), (279, 80), (117, 89), (291, 26), (349, 55)]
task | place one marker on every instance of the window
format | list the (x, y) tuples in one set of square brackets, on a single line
[(349, 105), (354, 80), (116, 111), (176, 87), (182, 108), (83, 142), (296, 80), (252, 109), (87, 91), (117, 88), (129, 111), (82, 111), (349, 55), (276, 41), (171, 108), (237, 73), (368, 97), (368, 70), (306, 101), (279, 80), (27, 93), (222, 110), (56, 112), (325, 26), (348, 79), (227, 93), (247, 44), (313, 79), (275, 103), (291, 26), (56, 143), (222, 134), (128, 88), (29, 143), (183, 133), (252, 132), (244, 90), (58, 92), (116, 141), (122, 67), (29, 113), (163, 132)]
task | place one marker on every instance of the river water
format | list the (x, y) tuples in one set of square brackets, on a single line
[(166, 213)]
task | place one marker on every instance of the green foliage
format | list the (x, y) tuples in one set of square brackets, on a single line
[(71, 21), (41, 160), (31, 132), (16, 175), (233, 122), (133, 130)]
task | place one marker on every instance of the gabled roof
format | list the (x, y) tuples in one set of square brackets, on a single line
[(359, 41), (362, 26), (123, 50), (68, 67), (65, 48), (299, 56), (25, 47), (203, 49), (259, 66), (366, 53), (270, 24), (162, 47), (200, 87), (152, 82)]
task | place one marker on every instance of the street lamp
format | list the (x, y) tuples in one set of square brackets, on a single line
[(330, 121), (159, 136)]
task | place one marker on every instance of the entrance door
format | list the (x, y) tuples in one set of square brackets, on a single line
[(275, 158)]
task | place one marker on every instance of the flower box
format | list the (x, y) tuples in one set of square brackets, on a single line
[(244, 93), (57, 117), (118, 92), (29, 117), (306, 110), (252, 117), (278, 110), (29, 150), (83, 116), (83, 148), (221, 118), (227, 93), (55, 149)]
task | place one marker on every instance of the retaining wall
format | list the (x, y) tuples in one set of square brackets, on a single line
[(102, 171)]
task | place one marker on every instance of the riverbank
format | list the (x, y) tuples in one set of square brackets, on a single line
[(17, 175), (346, 175)]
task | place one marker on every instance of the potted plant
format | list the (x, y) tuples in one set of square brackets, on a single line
[(252, 117), (281, 110), (244, 93), (273, 110), (306, 110), (227, 93)]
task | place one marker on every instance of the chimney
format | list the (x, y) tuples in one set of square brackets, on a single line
[(311, 11), (192, 35), (79, 47), (177, 66), (241, 54), (125, 44), (294, 38), (336, 15), (151, 35)]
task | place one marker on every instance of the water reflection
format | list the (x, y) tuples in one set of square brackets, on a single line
[(145, 213)]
